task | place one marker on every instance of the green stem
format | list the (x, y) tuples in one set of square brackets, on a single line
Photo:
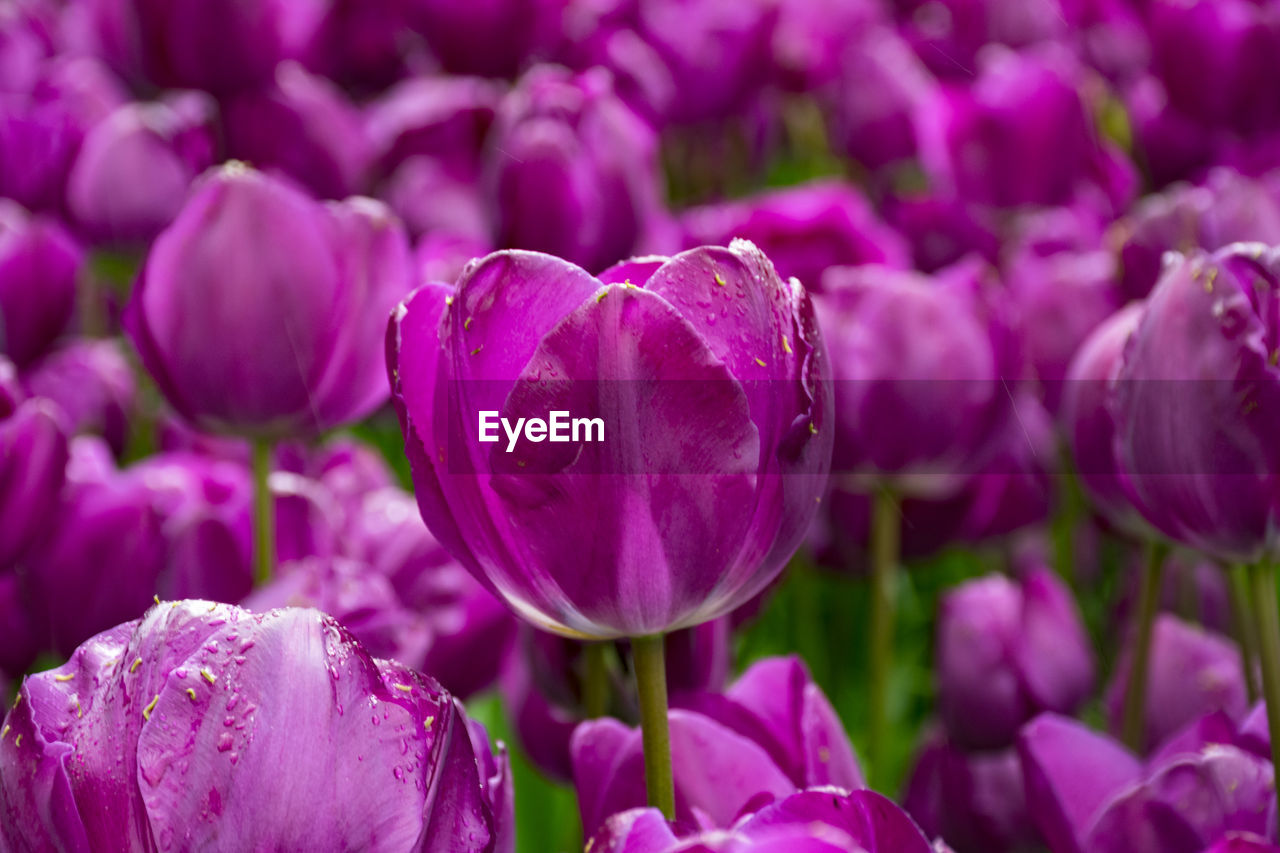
[(264, 522), (1268, 612), (651, 684), (595, 681), (1135, 698), (886, 532), (1246, 629)]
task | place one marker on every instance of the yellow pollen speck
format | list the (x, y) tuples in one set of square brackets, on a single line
[(4, 732), (79, 710), (136, 664), (156, 598), (67, 677), (426, 724), (812, 428), (146, 712), (448, 300), (590, 843), (476, 351), (213, 606), (405, 688), (192, 693), (720, 280), (786, 345), (602, 295), (18, 701), (18, 741), (466, 324), (1208, 279), (761, 362), (824, 754), (208, 676)]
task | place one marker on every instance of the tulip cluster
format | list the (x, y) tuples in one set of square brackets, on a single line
[(646, 425)]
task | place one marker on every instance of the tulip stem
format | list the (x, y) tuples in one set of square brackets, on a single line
[(651, 684), (595, 680), (1268, 625), (264, 522), (886, 532), (1135, 697), (1246, 629)]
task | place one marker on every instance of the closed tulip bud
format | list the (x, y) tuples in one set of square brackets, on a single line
[(589, 537), (135, 167), (1203, 358), (919, 368), (132, 734), (303, 127), (573, 171), (219, 47), (1007, 651), (771, 733), (496, 38), (803, 230), (1019, 135), (33, 459), (819, 820), (1192, 672), (1089, 424), (39, 263), (974, 800), (94, 384), (257, 287)]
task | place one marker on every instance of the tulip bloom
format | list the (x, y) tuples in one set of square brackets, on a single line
[(39, 263), (33, 460), (94, 384), (1006, 651), (573, 171), (163, 733), (593, 539), (771, 733), (258, 288), (818, 820)]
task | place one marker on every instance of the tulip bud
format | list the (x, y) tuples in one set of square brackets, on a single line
[(771, 733), (496, 38), (133, 735), (93, 383), (33, 447), (133, 172), (803, 230), (258, 288), (1006, 652), (39, 263), (589, 537), (573, 171), (1192, 673)]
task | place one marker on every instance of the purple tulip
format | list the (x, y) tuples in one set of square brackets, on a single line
[(1059, 299), (491, 38), (919, 367), (1020, 134), (301, 127), (773, 732), (943, 230), (1242, 842), (1233, 43), (94, 384), (973, 800), (360, 43), (134, 169), (593, 541), (218, 47), (572, 169), (605, 34), (803, 230), (543, 686), (41, 128), (949, 35), (1226, 208), (1089, 424), (468, 632), (39, 263), (872, 107), (813, 39), (33, 459), (1202, 358), (428, 136), (1007, 651), (1192, 673), (819, 820), (258, 288), (162, 734)]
